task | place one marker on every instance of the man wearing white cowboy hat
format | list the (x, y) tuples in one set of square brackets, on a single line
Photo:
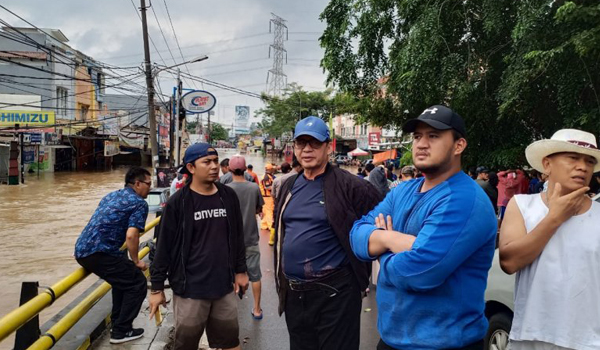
[(552, 241)]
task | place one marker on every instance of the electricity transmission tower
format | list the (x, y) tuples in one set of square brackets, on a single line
[(276, 79)]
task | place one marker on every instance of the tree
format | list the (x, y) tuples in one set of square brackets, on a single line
[(516, 71), (281, 113), (218, 132), (191, 126)]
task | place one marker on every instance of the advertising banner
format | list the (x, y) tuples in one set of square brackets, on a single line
[(27, 118), (29, 154), (242, 116), (111, 148), (166, 176), (198, 101), (374, 138)]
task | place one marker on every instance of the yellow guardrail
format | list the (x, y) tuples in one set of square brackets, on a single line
[(21, 315), (48, 339)]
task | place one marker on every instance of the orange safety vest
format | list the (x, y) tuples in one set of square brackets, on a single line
[(266, 184)]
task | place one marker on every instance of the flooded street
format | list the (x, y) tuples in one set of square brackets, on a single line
[(40, 222)]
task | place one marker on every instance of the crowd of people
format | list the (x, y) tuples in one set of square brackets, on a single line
[(432, 229)]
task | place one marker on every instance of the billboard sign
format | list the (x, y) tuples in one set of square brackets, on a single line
[(198, 101), (374, 138), (27, 118), (242, 115)]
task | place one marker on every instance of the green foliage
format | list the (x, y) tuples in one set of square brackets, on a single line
[(406, 158), (281, 113), (515, 70), (191, 126), (218, 132)]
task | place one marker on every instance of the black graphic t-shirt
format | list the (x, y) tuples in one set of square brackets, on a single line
[(207, 271)]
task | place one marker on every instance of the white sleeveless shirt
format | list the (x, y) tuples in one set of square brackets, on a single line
[(557, 297)]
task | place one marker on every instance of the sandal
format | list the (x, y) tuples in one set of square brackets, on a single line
[(259, 317)]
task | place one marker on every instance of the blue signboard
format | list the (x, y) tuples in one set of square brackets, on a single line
[(36, 138), (29, 155)]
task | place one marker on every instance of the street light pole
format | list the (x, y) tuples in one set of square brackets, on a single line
[(150, 88)]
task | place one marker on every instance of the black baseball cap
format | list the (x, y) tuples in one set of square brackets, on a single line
[(481, 170), (438, 117)]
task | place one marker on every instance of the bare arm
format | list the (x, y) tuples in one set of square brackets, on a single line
[(132, 241), (519, 248)]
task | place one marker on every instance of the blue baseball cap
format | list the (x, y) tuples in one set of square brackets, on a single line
[(312, 126), (196, 151)]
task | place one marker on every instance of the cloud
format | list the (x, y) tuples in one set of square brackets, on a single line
[(235, 35)]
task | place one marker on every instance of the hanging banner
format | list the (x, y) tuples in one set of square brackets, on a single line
[(131, 142), (198, 101), (27, 118)]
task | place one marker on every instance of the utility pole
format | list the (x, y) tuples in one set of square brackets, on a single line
[(177, 127), (150, 88), (275, 76), (208, 128)]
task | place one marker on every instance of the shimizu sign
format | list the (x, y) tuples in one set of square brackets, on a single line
[(27, 118), (198, 101)]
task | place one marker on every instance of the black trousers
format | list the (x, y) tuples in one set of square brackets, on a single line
[(128, 286), (325, 315), (478, 345)]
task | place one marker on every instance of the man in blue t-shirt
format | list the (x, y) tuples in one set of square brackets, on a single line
[(120, 217), (435, 239)]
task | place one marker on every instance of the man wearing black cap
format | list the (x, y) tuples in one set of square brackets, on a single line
[(483, 181), (435, 238), (319, 281), (201, 251)]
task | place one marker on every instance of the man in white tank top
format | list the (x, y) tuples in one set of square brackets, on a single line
[(552, 241)]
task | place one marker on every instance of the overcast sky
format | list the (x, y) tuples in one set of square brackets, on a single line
[(234, 34)]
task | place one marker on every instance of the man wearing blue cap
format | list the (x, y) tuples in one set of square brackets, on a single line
[(434, 238), (319, 280), (201, 250)]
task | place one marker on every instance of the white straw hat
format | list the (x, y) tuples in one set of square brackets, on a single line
[(564, 140)]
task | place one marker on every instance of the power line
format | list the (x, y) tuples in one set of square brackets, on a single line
[(198, 45), (149, 37), (225, 87), (177, 41)]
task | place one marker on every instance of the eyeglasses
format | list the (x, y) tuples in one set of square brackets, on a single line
[(149, 183), (314, 143)]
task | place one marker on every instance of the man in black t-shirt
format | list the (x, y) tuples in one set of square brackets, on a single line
[(201, 250)]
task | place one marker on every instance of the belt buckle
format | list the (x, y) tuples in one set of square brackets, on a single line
[(296, 285)]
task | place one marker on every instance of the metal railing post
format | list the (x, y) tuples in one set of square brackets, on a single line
[(29, 333)]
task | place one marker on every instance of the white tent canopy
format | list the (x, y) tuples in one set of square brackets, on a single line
[(358, 152)]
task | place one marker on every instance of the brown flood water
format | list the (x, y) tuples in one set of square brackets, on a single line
[(40, 222)]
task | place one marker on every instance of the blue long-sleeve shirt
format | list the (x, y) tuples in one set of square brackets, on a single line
[(432, 296)]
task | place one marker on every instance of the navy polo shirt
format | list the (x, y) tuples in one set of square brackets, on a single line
[(310, 249)]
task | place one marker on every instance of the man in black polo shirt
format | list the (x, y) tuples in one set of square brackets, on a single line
[(201, 250), (319, 280)]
